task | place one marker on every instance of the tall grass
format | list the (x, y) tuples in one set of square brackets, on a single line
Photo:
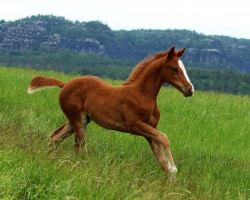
[(209, 136)]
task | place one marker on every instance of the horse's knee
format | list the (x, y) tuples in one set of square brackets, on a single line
[(168, 143), (163, 139)]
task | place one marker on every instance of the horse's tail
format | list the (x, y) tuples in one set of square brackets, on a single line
[(40, 83)]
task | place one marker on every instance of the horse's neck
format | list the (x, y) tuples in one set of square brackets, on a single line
[(150, 80)]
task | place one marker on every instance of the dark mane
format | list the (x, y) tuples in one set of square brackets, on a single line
[(142, 66)]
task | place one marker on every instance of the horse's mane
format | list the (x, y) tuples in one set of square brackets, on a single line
[(142, 66)]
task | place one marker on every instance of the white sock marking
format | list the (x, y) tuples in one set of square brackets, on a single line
[(185, 73), (171, 169), (169, 164)]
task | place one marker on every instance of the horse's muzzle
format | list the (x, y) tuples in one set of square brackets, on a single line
[(189, 93)]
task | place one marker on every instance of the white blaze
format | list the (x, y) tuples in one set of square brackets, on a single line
[(185, 73)]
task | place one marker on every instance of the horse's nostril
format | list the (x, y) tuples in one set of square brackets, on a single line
[(190, 92)]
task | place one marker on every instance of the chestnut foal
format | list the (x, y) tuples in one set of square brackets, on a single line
[(131, 107)]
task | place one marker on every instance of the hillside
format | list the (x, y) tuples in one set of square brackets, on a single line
[(51, 33), (209, 135)]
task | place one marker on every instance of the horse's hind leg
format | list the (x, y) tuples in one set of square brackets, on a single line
[(79, 124), (60, 134)]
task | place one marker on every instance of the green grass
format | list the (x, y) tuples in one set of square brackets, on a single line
[(209, 136)]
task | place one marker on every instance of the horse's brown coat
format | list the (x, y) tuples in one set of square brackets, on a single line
[(131, 107)]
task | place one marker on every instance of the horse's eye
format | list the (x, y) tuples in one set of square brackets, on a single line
[(174, 69)]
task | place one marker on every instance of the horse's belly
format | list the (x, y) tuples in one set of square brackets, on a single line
[(109, 122), (107, 116), (104, 105)]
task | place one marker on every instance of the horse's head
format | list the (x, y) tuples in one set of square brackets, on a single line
[(175, 73)]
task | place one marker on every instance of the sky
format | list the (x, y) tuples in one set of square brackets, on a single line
[(210, 17)]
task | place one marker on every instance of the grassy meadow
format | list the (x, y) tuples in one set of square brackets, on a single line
[(209, 134)]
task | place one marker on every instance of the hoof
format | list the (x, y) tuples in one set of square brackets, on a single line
[(171, 173), (81, 150), (50, 143), (53, 142), (173, 170)]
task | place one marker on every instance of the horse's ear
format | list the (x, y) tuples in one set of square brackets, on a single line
[(171, 52), (181, 52)]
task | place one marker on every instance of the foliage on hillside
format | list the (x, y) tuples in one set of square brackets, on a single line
[(219, 81), (75, 63)]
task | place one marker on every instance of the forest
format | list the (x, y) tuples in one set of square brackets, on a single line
[(82, 64)]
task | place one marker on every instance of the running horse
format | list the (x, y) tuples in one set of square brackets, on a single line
[(131, 107)]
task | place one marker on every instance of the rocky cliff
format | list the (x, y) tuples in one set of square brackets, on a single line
[(26, 35)]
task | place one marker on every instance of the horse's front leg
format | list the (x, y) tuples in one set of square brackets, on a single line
[(158, 152), (161, 139)]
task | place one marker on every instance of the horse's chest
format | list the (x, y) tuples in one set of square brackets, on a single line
[(145, 112), (149, 113)]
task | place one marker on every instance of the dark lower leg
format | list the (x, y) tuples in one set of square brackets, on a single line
[(79, 140)]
